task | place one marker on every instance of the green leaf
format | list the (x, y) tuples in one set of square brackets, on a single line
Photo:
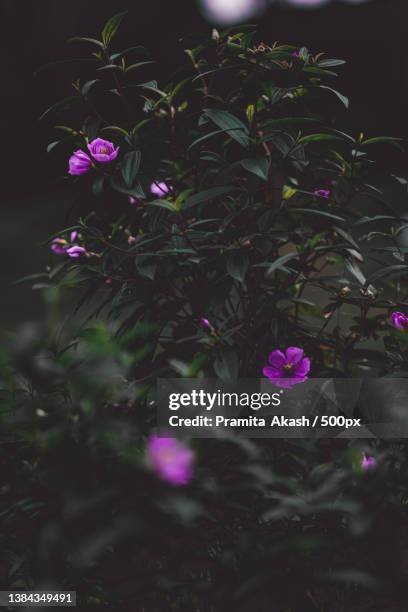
[(130, 167), (163, 204), (92, 41), (340, 96), (116, 56), (280, 262), (136, 190), (205, 137), (353, 267), (208, 194), (86, 87), (395, 271), (348, 237), (97, 185), (237, 265), (395, 142), (258, 166), (152, 86), (146, 265), (317, 138), (317, 213), (138, 65), (62, 105), (111, 27), (330, 63), (224, 120), (52, 145), (226, 365), (115, 128)]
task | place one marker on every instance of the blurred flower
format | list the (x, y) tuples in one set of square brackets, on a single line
[(307, 3), (159, 189), (205, 323), (76, 251), (368, 463), (171, 460), (231, 11), (79, 163), (59, 246), (322, 193), (103, 150), (399, 321), (287, 369), (132, 200)]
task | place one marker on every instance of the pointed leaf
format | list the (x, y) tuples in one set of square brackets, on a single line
[(111, 27), (226, 121), (237, 265), (226, 365), (208, 194), (258, 166), (130, 167)]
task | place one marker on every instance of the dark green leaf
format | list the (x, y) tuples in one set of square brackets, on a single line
[(130, 167), (146, 265), (258, 166), (119, 185), (86, 87), (97, 185), (317, 138), (208, 194), (317, 213), (397, 270), (92, 41), (340, 96), (280, 262), (138, 65), (62, 105), (226, 365), (226, 121), (111, 27), (162, 204), (237, 265), (353, 267), (330, 63)]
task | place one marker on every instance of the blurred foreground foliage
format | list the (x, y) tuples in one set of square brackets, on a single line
[(259, 225)]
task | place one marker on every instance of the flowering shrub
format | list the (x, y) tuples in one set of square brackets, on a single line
[(223, 196), (223, 223)]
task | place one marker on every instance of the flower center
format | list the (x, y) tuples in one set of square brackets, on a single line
[(103, 150), (167, 455), (288, 369)]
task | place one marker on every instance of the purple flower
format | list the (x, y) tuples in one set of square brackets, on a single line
[(287, 369), (205, 323), (322, 193), (103, 150), (59, 246), (171, 460), (159, 189), (368, 463), (399, 321), (296, 54), (79, 163), (75, 251), (132, 200)]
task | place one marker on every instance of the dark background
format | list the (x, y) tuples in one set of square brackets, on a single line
[(370, 36)]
